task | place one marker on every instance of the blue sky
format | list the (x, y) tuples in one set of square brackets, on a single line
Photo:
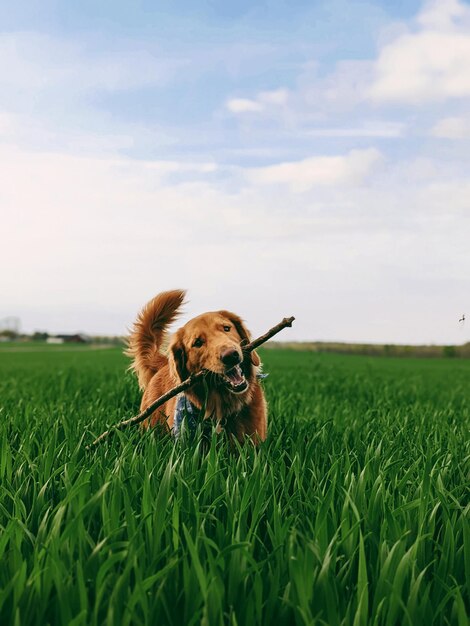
[(278, 158)]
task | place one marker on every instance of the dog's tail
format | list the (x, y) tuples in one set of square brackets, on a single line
[(148, 334)]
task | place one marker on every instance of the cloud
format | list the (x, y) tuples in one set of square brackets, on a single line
[(274, 97), (171, 167), (423, 61), (441, 14), (452, 128), (369, 129), (243, 105), (264, 101), (431, 64), (301, 176)]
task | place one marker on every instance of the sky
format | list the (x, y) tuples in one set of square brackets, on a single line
[(275, 158)]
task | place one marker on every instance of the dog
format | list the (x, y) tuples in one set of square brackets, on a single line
[(230, 393)]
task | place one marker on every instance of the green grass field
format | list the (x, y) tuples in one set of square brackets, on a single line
[(354, 512)]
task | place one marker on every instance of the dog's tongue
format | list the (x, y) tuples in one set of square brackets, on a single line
[(236, 376)]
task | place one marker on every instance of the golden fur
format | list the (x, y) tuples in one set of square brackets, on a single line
[(211, 341)]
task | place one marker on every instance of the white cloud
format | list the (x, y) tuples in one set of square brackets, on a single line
[(441, 14), (173, 167), (432, 64), (425, 60), (264, 101), (370, 129), (244, 105), (343, 88), (275, 97), (452, 128), (301, 176)]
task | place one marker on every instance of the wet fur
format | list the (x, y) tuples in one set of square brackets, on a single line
[(240, 414)]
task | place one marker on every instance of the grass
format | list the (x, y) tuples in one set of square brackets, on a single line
[(354, 512)]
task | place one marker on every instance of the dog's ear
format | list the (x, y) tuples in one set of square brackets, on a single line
[(178, 358), (244, 333)]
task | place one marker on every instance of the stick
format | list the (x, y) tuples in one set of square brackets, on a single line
[(189, 382), (287, 321)]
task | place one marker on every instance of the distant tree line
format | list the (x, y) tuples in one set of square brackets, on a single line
[(42, 336), (369, 349)]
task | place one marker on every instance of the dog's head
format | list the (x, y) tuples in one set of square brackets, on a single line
[(214, 342)]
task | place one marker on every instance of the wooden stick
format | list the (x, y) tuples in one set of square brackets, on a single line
[(287, 321), (189, 382)]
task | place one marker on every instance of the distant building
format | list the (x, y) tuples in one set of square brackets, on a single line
[(76, 338)]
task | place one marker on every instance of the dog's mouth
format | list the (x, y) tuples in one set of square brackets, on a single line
[(234, 379)]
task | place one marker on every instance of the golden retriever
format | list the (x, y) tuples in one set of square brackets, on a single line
[(230, 393)]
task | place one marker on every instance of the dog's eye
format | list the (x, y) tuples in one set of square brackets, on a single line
[(227, 329), (197, 343)]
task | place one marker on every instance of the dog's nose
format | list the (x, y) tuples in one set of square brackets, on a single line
[(230, 357)]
